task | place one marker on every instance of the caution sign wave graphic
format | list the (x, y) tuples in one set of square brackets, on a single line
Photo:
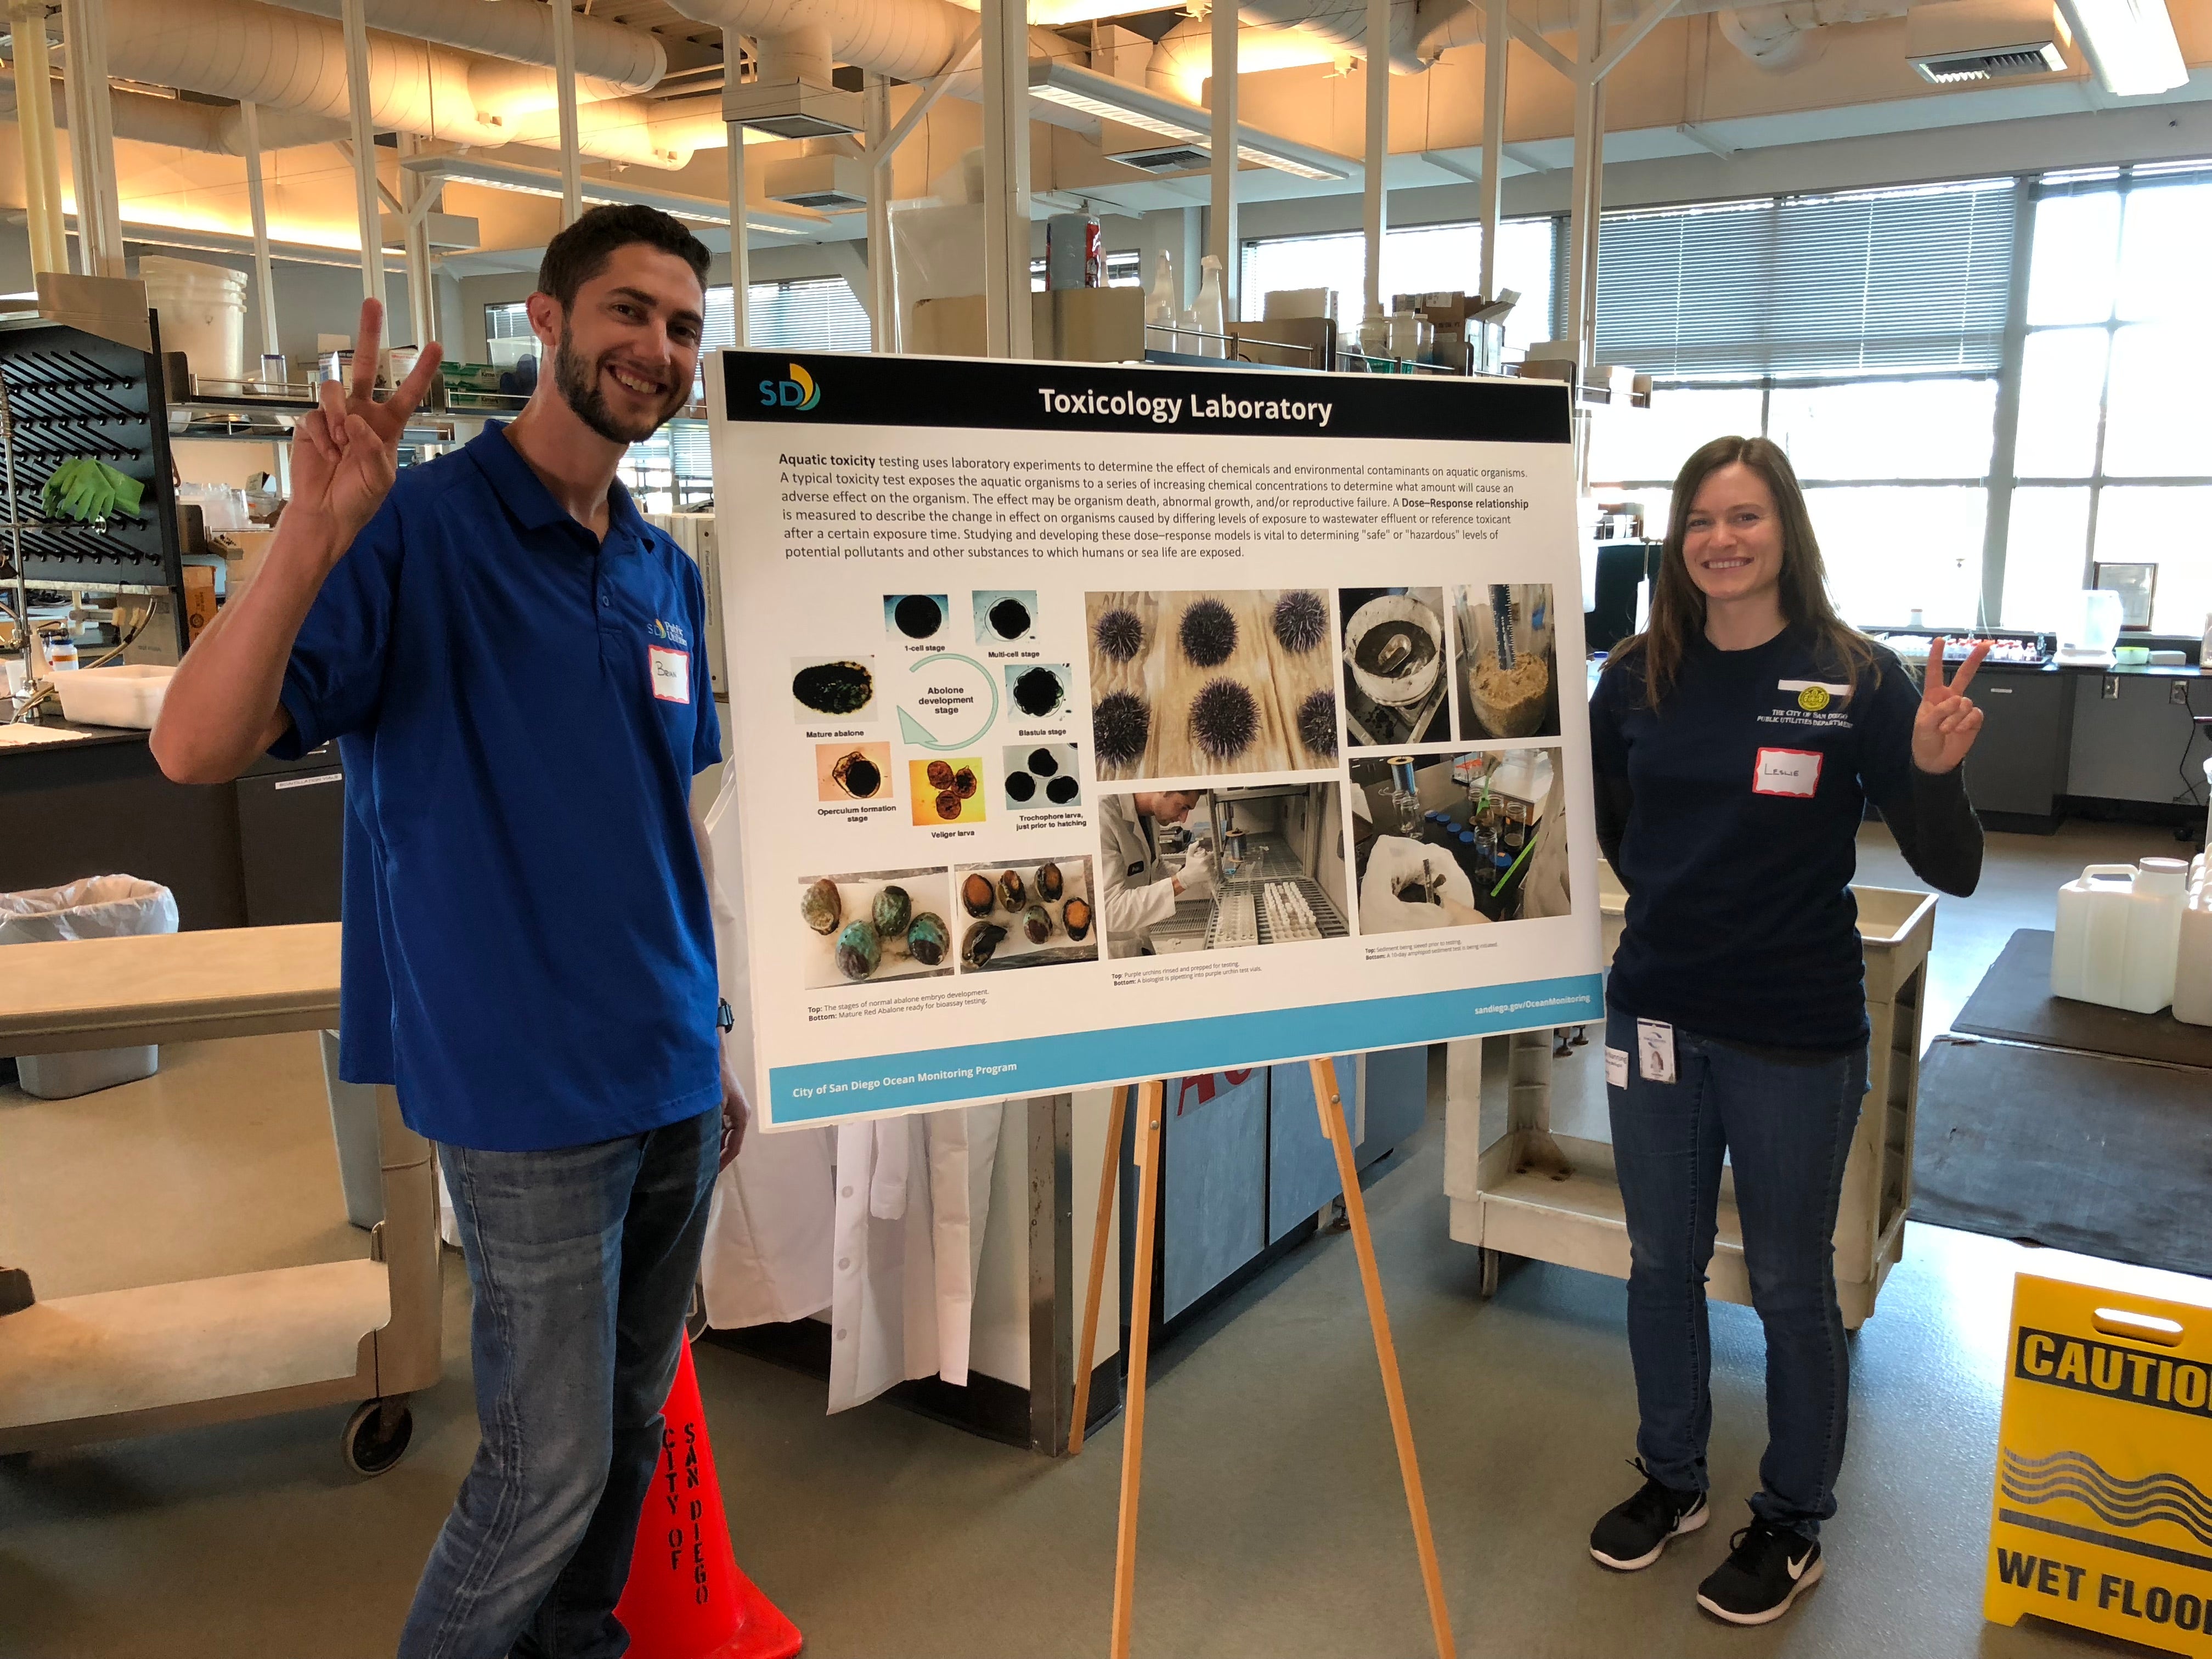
[(2112, 1498)]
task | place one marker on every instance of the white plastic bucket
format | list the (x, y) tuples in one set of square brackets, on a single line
[(203, 311)]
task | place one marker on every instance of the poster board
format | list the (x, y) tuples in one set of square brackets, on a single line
[(989, 623)]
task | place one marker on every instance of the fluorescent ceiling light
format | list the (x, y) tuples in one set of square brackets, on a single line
[(199, 240), (1090, 93), (2129, 44), (534, 181)]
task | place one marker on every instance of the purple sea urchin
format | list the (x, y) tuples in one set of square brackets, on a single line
[(1119, 634), (1224, 719), (1317, 724), (1120, 727), (1301, 620), (1208, 632)]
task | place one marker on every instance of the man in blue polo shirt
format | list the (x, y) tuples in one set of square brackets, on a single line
[(513, 663)]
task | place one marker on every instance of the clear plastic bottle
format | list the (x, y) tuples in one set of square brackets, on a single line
[(1210, 311), (1161, 312)]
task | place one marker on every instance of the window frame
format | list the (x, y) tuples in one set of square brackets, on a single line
[(2126, 182)]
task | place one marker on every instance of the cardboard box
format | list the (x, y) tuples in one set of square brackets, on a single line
[(199, 600), (1095, 325), (954, 327), (1080, 325), (1282, 304)]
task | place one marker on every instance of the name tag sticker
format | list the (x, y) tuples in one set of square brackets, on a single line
[(1655, 1051), (671, 673), (1616, 1068), (1786, 772)]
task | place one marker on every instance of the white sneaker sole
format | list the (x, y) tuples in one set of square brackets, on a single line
[(1812, 1578), (1688, 1524)]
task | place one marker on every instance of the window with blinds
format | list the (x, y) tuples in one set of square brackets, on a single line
[(1879, 280), (816, 314)]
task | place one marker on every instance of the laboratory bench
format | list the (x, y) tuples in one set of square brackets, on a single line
[(2060, 740), (264, 851)]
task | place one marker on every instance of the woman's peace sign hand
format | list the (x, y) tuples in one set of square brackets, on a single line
[(1948, 723)]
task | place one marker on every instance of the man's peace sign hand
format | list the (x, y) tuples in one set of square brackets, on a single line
[(345, 452)]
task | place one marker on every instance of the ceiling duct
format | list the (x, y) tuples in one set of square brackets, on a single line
[(793, 93), (828, 183), (1149, 153), (1984, 40), (633, 60)]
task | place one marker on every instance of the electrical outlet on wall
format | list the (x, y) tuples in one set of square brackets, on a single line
[(2178, 692), (2111, 688)]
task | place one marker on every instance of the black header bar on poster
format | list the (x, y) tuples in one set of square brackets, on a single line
[(831, 388)]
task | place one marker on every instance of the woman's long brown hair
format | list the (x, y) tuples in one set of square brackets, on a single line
[(1678, 608)]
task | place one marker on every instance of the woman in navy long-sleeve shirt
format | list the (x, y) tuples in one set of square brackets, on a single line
[(1736, 742)]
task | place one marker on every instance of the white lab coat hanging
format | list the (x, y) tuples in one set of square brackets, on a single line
[(769, 1226), (912, 1197), (885, 1232)]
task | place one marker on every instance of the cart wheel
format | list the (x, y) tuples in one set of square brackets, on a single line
[(1491, 1261), (377, 1434)]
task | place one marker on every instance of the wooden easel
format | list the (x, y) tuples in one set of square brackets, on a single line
[(1151, 1097)]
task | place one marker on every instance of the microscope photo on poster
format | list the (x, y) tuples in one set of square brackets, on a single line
[(1084, 667)]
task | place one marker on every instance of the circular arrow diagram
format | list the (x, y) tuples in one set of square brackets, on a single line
[(914, 731)]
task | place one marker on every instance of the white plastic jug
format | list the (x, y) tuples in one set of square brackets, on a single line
[(2119, 934), (2192, 971)]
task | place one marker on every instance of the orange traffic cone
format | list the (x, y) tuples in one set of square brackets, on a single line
[(685, 1598)]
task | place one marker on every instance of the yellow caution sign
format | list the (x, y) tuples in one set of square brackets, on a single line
[(2102, 1516)]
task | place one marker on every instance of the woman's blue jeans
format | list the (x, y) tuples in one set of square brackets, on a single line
[(1786, 1132), (582, 1259)]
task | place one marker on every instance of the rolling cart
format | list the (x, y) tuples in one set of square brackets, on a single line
[(149, 1359), (1529, 1193)]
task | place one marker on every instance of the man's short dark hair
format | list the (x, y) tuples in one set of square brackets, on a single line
[(581, 253)]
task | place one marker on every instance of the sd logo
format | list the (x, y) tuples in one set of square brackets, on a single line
[(800, 391)]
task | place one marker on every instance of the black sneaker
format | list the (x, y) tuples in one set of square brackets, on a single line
[(1632, 1536), (1767, 1568)]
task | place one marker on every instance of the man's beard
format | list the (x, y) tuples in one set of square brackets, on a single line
[(578, 382)]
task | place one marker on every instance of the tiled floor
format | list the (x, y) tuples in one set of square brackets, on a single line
[(1272, 1521)]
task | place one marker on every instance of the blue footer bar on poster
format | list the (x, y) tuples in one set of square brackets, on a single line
[(1083, 1060)]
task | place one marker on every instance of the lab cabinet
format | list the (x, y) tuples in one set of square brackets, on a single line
[(264, 851), (1244, 1166), (2018, 766), (291, 839), (99, 807), (2132, 741), (1213, 1187)]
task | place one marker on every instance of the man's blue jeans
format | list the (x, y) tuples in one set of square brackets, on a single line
[(1786, 1131), (582, 1260)]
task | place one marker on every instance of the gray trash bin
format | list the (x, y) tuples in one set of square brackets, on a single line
[(98, 907)]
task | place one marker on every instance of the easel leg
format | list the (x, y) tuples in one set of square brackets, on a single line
[(1150, 1097), (1109, 1168), (1386, 1353)]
